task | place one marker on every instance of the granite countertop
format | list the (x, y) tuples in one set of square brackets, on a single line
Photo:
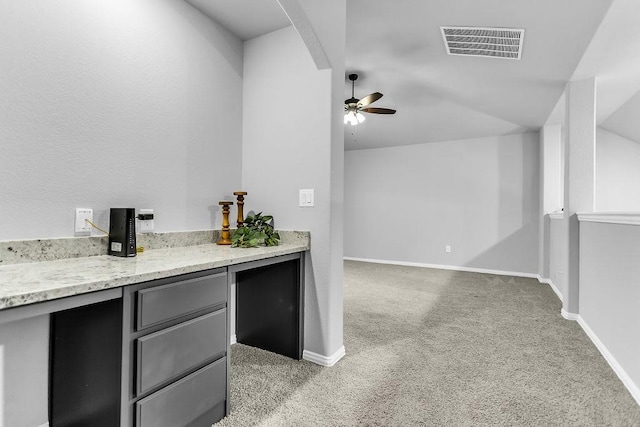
[(33, 282)]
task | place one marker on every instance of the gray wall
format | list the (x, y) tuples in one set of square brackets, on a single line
[(558, 255), (128, 103), (617, 173), (480, 196), (609, 292), (551, 186)]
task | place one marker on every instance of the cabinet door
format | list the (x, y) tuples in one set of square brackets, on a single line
[(196, 400), (174, 351)]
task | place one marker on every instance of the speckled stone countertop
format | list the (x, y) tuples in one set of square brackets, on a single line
[(32, 282)]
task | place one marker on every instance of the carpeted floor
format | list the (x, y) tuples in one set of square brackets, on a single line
[(437, 348)]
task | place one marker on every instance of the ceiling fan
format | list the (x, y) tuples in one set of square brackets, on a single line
[(354, 107)]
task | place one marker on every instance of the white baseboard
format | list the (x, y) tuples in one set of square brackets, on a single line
[(313, 357), (319, 359), (617, 368), (446, 267), (543, 280), (569, 316)]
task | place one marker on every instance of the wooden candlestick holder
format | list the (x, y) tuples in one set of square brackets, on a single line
[(225, 236), (240, 196)]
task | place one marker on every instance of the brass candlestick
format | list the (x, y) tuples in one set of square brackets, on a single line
[(240, 204), (225, 236)]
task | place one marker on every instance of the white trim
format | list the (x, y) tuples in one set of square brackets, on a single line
[(556, 215), (627, 218), (567, 315), (321, 360), (44, 425), (617, 368), (445, 267), (553, 287), (302, 25), (233, 340)]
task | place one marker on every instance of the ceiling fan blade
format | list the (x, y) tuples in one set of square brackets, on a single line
[(379, 110), (369, 99)]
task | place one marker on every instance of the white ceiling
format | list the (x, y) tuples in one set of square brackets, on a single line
[(398, 50), (396, 47), (245, 18), (625, 120), (614, 57)]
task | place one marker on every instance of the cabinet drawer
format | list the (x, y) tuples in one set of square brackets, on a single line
[(161, 303), (170, 352), (184, 402)]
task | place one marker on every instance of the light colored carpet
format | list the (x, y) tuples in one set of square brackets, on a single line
[(435, 347)]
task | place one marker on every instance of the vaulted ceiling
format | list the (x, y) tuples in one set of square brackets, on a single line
[(397, 49), (244, 18)]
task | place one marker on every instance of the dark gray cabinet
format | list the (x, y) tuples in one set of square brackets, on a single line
[(175, 369), (156, 353)]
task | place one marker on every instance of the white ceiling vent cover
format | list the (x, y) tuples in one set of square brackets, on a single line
[(488, 42)]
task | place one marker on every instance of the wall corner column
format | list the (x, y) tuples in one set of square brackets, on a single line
[(550, 190), (579, 184)]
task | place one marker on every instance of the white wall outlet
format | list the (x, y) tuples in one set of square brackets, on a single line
[(82, 227), (447, 248), (307, 198), (145, 225)]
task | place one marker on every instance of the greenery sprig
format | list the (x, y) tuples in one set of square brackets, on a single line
[(256, 230)]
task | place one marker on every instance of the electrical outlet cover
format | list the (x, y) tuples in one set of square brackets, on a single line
[(147, 225), (82, 227)]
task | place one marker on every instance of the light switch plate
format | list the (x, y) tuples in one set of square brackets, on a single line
[(307, 198)]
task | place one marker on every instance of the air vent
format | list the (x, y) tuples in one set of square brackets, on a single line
[(488, 42)]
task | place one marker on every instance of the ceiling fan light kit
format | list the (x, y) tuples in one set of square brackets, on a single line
[(354, 107), (354, 118)]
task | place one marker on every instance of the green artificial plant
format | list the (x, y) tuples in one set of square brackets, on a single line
[(257, 229)]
